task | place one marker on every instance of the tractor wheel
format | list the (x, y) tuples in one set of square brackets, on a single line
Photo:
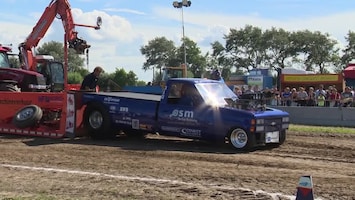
[(27, 116)]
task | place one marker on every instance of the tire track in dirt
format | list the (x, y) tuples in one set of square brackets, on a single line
[(329, 158)]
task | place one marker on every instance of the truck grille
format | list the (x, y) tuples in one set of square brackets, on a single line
[(273, 124)]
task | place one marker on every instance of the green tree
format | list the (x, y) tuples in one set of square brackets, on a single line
[(280, 47), (220, 59), (318, 49), (119, 77), (349, 51), (75, 78), (55, 49), (246, 46), (159, 52), (196, 63)]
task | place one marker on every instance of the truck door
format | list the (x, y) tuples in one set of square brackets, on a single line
[(183, 115)]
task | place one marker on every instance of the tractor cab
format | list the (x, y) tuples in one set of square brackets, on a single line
[(4, 58), (173, 72), (53, 73)]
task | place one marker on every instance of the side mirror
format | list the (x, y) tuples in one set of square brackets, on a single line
[(98, 22)]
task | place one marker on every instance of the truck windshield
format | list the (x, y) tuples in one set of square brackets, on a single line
[(218, 94), (4, 61)]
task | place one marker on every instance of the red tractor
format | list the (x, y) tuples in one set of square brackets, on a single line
[(34, 97)]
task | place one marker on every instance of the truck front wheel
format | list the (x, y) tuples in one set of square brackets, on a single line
[(241, 140), (97, 121)]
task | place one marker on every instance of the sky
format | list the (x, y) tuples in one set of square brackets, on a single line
[(129, 25)]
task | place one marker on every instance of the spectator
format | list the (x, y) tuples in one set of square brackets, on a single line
[(276, 97), (249, 90), (286, 98), (327, 96), (256, 89), (321, 100), (334, 97), (311, 99), (346, 97), (319, 91), (302, 97), (294, 94)]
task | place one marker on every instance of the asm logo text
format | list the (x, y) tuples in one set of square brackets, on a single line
[(182, 114)]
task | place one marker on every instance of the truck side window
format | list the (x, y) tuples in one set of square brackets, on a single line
[(174, 94), (190, 96)]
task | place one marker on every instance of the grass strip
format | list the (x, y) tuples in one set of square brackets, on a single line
[(321, 129)]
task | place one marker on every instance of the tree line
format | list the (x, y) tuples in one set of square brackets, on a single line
[(244, 49), (251, 47)]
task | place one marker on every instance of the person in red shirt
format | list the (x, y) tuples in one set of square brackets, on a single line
[(334, 97)]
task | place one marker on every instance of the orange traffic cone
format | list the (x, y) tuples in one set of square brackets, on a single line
[(305, 188)]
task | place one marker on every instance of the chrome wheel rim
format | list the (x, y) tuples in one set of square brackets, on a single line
[(239, 138), (96, 120)]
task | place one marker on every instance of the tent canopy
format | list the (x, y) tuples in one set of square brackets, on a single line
[(349, 71)]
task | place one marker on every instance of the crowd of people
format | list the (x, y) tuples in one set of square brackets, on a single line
[(301, 96)]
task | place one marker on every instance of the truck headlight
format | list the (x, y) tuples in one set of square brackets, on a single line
[(259, 121), (286, 119)]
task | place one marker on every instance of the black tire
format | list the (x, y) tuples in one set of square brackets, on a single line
[(27, 116), (97, 121), (282, 137), (239, 139)]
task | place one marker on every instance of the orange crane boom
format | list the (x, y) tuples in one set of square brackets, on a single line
[(62, 10)]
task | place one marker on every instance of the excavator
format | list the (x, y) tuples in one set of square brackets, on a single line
[(36, 72), (41, 103)]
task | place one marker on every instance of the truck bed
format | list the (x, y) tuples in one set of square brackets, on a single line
[(132, 95)]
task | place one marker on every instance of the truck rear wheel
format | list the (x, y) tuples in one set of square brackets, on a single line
[(97, 121), (27, 116), (241, 140)]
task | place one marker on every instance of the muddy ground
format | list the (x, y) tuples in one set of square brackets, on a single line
[(171, 168)]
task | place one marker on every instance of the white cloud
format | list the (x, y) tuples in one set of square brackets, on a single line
[(124, 11), (117, 43)]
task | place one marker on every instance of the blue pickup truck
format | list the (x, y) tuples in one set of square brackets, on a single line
[(189, 108)]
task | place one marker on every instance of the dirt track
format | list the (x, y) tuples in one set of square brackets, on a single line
[(170, 168)]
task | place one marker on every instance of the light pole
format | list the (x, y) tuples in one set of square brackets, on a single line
[(181, 4)]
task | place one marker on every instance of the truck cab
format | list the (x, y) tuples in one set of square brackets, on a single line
[(213, 112)]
